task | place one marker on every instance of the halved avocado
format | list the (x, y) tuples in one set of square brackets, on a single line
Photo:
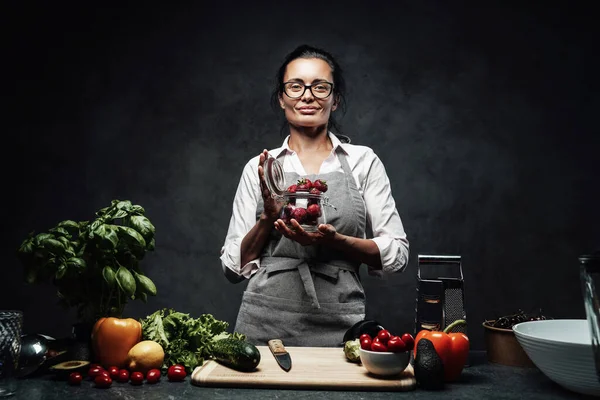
[(63, 369)]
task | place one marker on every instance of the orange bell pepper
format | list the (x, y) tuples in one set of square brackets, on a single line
[(112, 338), (453, 348)]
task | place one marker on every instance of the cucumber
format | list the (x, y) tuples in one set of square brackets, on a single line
[(236, 354)]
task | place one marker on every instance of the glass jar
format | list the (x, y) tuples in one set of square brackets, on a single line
[(307, 207)]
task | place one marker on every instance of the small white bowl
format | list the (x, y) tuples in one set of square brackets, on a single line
[(562, 350), (384, 363)]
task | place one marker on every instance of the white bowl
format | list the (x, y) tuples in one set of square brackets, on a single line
[(384, 363), (562, 350)]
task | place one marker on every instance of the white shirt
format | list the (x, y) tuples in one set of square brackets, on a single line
[(373, 185)]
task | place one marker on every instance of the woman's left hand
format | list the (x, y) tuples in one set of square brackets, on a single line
[(324, 233)]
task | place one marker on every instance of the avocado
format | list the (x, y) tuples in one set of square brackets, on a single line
[(63, 369), (429, 369)]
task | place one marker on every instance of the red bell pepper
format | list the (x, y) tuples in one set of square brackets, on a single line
[(453, 348)]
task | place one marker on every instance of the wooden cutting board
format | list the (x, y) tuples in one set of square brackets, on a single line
[(323, 368)]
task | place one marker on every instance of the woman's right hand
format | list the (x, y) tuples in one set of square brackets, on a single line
[(272, 207)]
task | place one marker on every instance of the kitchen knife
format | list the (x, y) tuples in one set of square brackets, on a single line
[(280, 353)]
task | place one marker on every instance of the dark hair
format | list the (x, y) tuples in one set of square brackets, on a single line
[(339, 85)]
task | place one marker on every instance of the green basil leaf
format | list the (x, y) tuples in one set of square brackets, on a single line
[(53, 245), (40, 237), (109, 276), (146, 284), (137, 210), (120, 214), (71, 227), (108, 238), (124, 205), (126, 281), (62, 269), (26, 247), (59, 232), (131, 236), (76, 262), (143, 226)]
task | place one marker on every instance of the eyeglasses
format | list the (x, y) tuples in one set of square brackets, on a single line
[(295, 90)]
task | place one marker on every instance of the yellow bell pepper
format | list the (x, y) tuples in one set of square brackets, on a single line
[(112, 338)]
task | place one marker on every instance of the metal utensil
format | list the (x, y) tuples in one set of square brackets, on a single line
[(280, 353)]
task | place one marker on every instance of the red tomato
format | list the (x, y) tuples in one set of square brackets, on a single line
[(113, 372), (137, 378), (75, 378), (153, 375), (384, 335), (365, 336), (365, 343), (95, 371), (378, 346), (409, 340), (96, 366), (176, 373), (123, 376), (103, 381), (396, 345)]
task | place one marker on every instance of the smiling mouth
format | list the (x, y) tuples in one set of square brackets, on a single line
[(308, 110)]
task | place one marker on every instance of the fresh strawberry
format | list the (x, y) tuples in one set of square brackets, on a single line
[(314, 211), (289, 209), (292, 189), (299, 214), (314, 190), (321, 185), (304, 184)]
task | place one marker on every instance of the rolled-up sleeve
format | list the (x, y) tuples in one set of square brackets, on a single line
[(243, 218), (386, 225)]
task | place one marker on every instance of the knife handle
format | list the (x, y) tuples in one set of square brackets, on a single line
[(276, 346)]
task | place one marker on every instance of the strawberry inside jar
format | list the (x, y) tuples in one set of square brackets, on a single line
[(304, 200)]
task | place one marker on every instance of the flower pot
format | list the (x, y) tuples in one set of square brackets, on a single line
[(503, 348)]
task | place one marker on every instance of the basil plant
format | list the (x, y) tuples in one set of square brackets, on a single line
[(95, 264)]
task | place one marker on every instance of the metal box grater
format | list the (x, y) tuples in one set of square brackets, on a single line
[(440, 293)]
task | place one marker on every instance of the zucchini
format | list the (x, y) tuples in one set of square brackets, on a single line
[(236, 354)]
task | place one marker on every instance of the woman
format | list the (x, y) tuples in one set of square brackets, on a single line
[(304, 287)]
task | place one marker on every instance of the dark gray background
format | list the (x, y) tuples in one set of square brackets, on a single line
[(482, 112)]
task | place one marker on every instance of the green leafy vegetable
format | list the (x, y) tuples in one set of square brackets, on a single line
[(186, 340)]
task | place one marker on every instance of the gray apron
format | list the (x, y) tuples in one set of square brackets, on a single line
[(308, 295)]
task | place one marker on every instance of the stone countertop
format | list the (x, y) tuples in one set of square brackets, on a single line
[(480, 380)]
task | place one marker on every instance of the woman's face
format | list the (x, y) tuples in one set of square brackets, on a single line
[(308, 110)]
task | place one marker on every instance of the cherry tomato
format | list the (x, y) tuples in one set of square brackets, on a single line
[(96, 366), (384, 335), (113, 372), (75, 378), (153, 375), (137, 378), (103, 381), (123, 376), (409, 340), (365, 336), (378, 346), (176, 373), (95, 371), (365, 343), (396, 345)]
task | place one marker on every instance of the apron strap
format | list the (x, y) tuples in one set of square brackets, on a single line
[(305, 268)]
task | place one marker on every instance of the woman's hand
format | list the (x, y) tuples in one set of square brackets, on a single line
[(324, 233), (272, 207)]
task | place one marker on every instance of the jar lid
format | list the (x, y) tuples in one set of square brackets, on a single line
[(274, 176)]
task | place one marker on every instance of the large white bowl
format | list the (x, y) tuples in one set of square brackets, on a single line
[(562, 350), (384, 363)]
